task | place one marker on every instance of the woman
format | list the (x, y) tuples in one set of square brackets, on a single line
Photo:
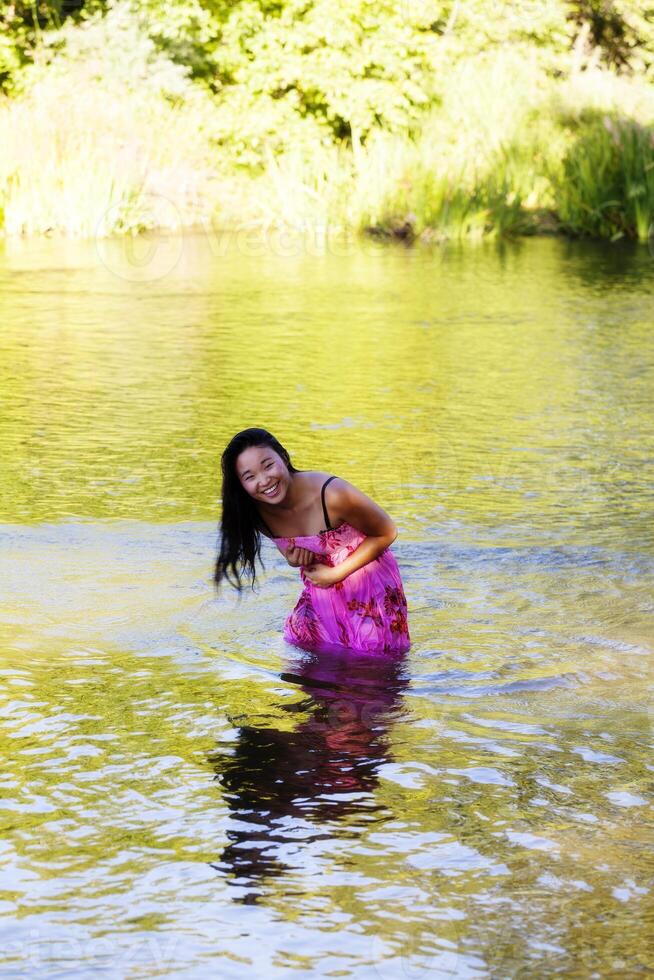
[(353, 596)]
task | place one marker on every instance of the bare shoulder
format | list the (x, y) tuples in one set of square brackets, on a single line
[(339, 490), (347, 503), (313, 478)]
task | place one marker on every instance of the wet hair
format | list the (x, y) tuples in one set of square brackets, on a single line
[(241, 525)]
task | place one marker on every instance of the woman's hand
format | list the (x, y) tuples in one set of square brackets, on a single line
[(299, 556), (322, 575)]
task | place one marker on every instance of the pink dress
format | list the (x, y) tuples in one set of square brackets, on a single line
[(366, 612)]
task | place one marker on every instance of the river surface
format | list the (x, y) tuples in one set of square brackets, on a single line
[(184, 795)]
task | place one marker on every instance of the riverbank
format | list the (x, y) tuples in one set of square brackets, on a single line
[(108, 134)]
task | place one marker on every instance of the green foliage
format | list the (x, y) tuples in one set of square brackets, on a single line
[(354, 67), (114, 51), (621, 30), (350, 65), (606, 185), (185, 31), (22, 24), (435, 117)]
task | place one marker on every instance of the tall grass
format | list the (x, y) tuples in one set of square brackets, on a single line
[(112, 138), (602, 185), (82, 165), (466, 174), (422, 195), (606, 183)]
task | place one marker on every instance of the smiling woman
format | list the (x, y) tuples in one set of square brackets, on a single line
[(353, 596)]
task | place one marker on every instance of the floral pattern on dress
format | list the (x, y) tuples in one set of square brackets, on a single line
[(395, 608), (343, 634), (305, 626), (364, 612), (368, 608)]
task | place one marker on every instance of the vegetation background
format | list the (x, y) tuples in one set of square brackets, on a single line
[(432, 118)]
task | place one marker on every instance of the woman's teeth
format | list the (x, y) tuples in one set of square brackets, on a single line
[(272, 490)]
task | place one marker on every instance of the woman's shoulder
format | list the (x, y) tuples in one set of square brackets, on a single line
[(336, 485), (317, 477), (313, 482), (329, 486), (339, 496)]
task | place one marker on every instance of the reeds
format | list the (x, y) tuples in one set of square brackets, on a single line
[(606, 183), (109, 138), (80, 164)]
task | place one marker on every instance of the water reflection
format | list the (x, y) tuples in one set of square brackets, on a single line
[(323, 769)]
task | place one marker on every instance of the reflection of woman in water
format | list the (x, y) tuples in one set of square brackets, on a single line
[(353, 596), (324, 769)]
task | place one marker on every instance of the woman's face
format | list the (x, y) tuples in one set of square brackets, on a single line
[(263, 474)]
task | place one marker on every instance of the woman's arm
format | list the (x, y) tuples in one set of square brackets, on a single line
[(346, 503)]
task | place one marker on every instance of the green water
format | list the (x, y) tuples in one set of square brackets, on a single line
[(184, 795)]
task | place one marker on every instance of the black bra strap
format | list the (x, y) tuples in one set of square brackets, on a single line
[(328, 526)]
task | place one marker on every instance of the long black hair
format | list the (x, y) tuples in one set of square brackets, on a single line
[(240, 525)]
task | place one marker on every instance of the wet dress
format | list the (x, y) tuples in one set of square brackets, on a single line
[(366, 612)]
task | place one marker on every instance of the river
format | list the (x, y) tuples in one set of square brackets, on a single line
[(184, 795)]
